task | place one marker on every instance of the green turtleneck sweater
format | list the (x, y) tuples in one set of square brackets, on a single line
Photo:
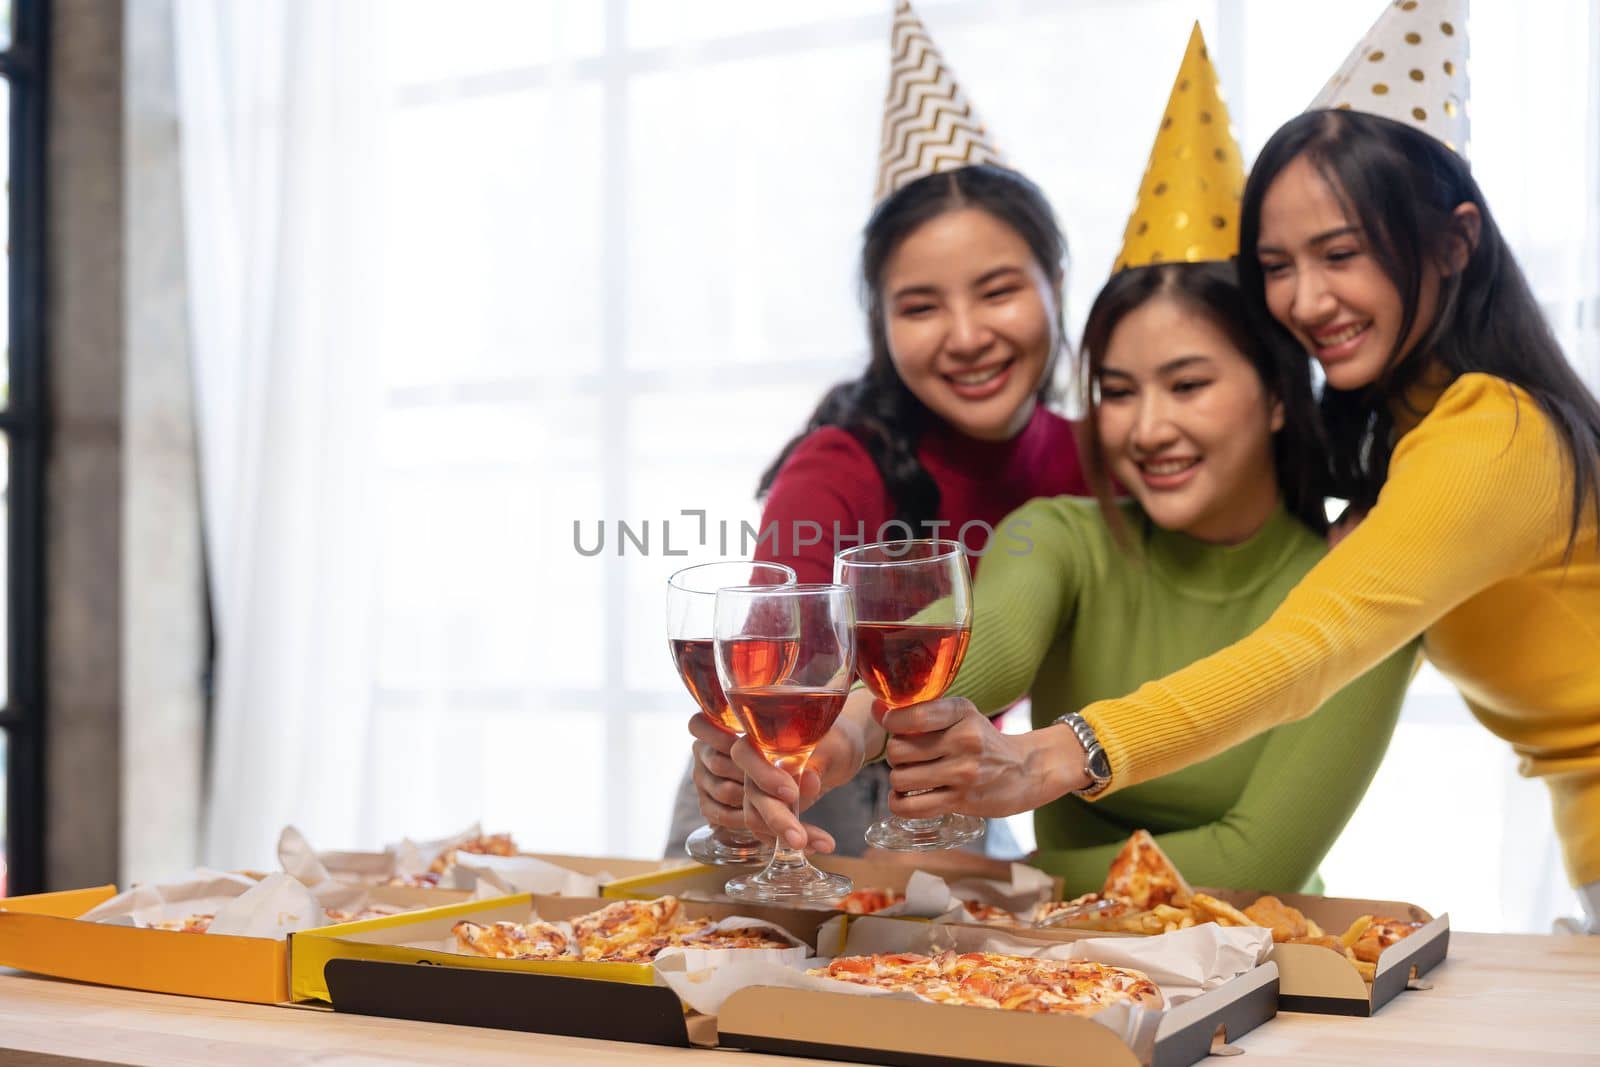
[(1066, 616)]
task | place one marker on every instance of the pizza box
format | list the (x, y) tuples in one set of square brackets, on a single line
[(699, 882), (1315, 979), (801, 1022), (364, 865), (391, 940), (42, 934)]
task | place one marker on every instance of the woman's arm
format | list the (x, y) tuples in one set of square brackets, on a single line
[(1307, 782), (1477, 493)]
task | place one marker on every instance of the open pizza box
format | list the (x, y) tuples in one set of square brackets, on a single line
[(405, 967), (892, 1029), (1314, 979), (46, 934), (992, 881), (531, 872)]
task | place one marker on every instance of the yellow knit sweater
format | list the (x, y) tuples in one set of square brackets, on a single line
[(1465, 546)]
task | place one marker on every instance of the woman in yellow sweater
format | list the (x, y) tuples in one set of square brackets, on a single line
[(1457, 425)]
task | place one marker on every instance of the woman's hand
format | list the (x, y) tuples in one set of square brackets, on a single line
[(717, 780), (948, 757), (771, 794)]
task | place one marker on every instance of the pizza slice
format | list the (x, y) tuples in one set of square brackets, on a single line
[(1142, 874), (1091, 911), (601, 934), (1380, 934), (482, 845), (514, 941), (990, 914), (868, 901)]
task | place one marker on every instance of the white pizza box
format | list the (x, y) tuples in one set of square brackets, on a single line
[(1319, 980), (1316, 979), (837, 1025)]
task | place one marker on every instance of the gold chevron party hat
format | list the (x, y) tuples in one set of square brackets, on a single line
[(1188, 206), (928, 124), (1411, 67)]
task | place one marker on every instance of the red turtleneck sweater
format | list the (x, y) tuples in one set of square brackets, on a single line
[(830, 482)]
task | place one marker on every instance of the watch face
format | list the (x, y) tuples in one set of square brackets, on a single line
[(1100, 765)]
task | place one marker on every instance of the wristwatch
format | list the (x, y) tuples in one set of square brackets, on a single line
[(1095, 761)]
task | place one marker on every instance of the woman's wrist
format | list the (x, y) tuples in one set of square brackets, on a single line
[(1057, 763)]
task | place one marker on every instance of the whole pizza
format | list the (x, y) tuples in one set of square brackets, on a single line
[(995, 980)]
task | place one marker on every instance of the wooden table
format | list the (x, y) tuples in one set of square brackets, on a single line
[(1498, 999)]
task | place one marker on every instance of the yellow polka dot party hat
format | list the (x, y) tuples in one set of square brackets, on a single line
[(1411, 67), (1188, 207)]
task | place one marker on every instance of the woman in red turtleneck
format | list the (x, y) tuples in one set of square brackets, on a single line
[(944, 434)]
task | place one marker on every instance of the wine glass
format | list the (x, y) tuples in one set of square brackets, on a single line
[(812, 629), (691, 599), (913, 619)]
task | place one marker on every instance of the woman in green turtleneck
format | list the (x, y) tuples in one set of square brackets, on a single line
[(1079, 599)]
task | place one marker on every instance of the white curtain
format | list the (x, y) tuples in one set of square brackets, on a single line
[(282, 120), (466, 275)]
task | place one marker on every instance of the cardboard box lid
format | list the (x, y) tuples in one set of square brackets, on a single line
[(535, 1003)]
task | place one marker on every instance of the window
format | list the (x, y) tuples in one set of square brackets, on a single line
[(22, 86)]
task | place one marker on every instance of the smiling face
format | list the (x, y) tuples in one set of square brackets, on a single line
[(1325, 285), (1185, 423), (970, 318)]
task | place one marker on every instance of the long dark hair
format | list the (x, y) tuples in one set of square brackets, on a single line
[(1402, 187), (1212, 289), (877, 408)]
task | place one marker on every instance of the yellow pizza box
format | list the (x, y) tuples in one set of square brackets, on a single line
[(1316, 979), (42, 934), (393, 939), (701, 882), (800, 1022)]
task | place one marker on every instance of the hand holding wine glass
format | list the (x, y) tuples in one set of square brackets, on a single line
[(691, 604), (785, 718), (913, 620), (948, 757)]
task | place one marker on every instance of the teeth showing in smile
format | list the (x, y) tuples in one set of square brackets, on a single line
[(1329, 340), (1168, 466), (979, 377)]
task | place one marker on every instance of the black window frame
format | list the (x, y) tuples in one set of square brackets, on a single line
[(24, 421)]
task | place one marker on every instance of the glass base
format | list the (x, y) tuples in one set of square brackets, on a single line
[(789, 879), (924, 835), (718, 846)]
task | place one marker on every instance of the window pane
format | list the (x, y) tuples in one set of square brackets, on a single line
[(5, 222), (657, 25), (5, 555), (487, 36), (3, 822)]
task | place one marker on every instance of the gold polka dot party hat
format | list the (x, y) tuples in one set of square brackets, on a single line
[(1188, 206), (1411, 67), (928, 124)]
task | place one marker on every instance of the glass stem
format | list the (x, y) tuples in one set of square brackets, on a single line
[(785, 858)]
